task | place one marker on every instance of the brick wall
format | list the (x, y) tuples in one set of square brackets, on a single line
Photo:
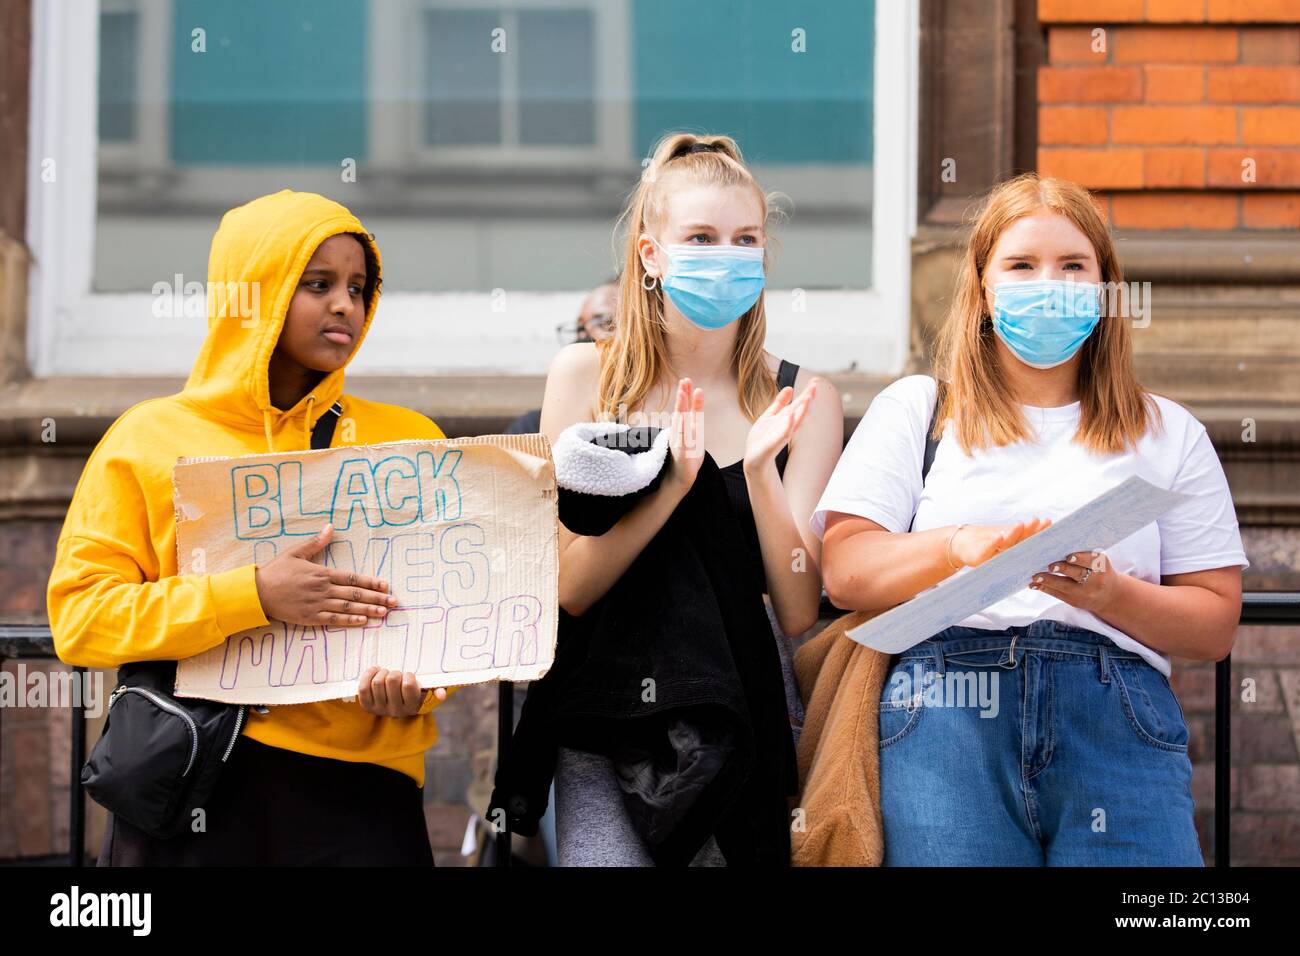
[(1265, 809), (1183, 114)]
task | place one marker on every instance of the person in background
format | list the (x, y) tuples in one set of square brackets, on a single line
[(595, 324), (596, 317)]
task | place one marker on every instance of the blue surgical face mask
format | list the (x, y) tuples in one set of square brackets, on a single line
[(713, 285), (1045, 321)]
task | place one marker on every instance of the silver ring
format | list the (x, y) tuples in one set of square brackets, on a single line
[(1087, 573)]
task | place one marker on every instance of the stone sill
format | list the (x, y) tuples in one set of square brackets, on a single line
[(83, 407)]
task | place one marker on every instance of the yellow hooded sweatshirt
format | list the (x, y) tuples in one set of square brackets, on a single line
[(115, 594)]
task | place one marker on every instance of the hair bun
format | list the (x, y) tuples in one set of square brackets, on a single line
[(688, 147)]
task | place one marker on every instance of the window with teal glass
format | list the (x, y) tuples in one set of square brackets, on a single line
[(273, 82)]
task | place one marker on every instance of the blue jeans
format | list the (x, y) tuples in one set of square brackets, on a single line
[(1041, 745)]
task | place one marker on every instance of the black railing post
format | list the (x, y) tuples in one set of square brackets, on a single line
[(1222, 761), (505, 731), (76, 793)]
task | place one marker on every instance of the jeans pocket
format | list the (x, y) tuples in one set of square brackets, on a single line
[(897, 720), (1149, 705)]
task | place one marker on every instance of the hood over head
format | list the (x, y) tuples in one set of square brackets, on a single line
[(258, 256)]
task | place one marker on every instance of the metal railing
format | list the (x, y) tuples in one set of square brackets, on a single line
[(28, 642)]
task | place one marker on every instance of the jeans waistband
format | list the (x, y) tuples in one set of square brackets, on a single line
[(1049, 636)]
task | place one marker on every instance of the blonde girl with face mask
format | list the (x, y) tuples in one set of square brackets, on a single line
[(688, 354)]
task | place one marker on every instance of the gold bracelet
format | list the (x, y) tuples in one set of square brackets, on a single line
[(955, 567)]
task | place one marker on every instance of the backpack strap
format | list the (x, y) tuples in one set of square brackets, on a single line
[(322, 432), (931, 443)]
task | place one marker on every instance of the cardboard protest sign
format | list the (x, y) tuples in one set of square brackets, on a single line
[(464, 532)]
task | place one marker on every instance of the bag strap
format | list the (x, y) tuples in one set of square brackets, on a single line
[(323, 431), (931, 443)]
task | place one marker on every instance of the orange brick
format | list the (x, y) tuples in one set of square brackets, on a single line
[(1075, 45), (1174, 83), (1253, 84), (1270, 44), (1072, 126), (1173, 125), (1271, 125), (1089, 84), (1175, 11), (1270, 210), (1174, 210), (1253, 11), (1274, 168), (1174, 45), (1094, 11), (1094, 168), (1173, 168)]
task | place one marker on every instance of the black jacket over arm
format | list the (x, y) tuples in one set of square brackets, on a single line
[(673, 674)]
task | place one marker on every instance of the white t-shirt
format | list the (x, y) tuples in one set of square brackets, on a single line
[(879, 477)]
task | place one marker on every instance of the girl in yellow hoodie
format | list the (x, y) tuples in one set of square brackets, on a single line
[(293, 284)]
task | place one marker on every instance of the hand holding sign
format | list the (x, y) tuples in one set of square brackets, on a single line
[(388, 693), (293, 588), (436, 568)]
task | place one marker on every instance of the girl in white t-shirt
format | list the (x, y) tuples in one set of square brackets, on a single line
[(1041, 730)]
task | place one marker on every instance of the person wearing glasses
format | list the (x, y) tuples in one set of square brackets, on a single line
[(595, 323)]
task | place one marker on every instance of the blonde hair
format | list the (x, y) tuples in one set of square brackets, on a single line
[(635, 359), (1114, 410)]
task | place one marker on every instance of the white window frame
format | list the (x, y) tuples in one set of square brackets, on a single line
[(148, 151), (73, 330)]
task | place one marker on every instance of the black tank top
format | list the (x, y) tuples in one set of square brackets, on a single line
[(738, 491)]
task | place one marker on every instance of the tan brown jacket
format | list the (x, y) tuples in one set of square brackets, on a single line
[(839, 759)]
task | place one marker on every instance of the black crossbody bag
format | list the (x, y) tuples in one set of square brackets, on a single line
[(160, 756)]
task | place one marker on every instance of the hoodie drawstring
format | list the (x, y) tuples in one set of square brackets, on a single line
[(306, 425)]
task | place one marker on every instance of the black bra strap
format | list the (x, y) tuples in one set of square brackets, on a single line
[(786, 373)]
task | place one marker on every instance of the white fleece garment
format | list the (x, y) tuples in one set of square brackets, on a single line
[(588, 468)]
